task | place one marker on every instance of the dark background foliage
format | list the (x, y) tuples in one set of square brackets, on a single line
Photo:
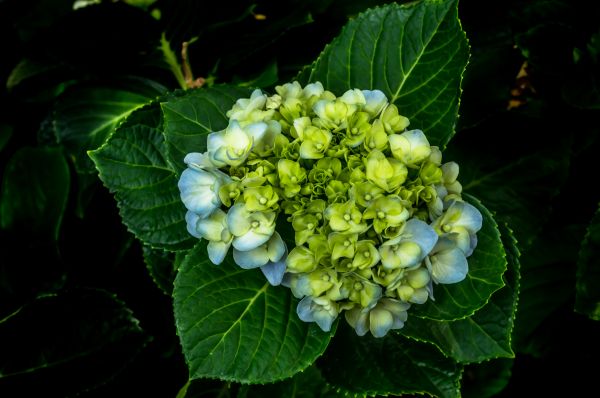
[(73, 280)]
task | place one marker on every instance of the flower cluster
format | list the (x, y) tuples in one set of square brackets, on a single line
[(377, 217)]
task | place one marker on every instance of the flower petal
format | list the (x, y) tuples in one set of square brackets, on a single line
[(449, 266), (274, 271), (251, 258), (191, 220), (380, 321), (250, 240), (217, 251)]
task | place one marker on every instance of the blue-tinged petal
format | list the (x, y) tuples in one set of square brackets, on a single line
[(420, 233), (238, 219), (358, 319), (380, 321), (274, 271), (311, 89), (256, 131), (276, 247), (448, 264), (250, 240), (304, 309), (199, 191), (252, 258), (375, 101), (191, 220), (198, 161), (217, 251), (471, 218), (211, 227)]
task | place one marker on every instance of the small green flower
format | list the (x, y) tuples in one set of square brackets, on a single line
[(384, 172), (392, 121), (361, 291), (315, 142), (387, 315), (291, 176), (342, 244), (260, 198), (410, 147), (386, 211), (345, 217)]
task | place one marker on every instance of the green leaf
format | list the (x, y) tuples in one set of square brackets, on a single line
[(486, 266), (88, 333), (35, 189), (189, 118), (415, 53), (587, 298), (85, 116), (487, 333), (235, 326), (306, 384), (133, 165), (162, 266), (486, 379), (390, 365)]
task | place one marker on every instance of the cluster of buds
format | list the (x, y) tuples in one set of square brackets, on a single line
[(377, 217)]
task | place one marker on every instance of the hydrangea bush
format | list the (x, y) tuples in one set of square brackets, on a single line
[(334, 186), (377, 217)]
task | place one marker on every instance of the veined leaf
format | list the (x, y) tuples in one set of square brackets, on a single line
[(84, 117), (235, 326), (415, 53), (486, 266), (390, 365), (190, 117), (133, 165), (162, 266), (587, 299), (487, 333), (84, 332)]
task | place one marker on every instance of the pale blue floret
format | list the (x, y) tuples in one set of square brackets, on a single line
[(375, 102), (199, 190), (410, 247), (321, 310), (447, 262)]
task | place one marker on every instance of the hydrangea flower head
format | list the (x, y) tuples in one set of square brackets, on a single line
[(377, 218)]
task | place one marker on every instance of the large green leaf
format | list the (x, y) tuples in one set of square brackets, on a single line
[(162, 266), (306, 384), (390, 365), (485, 334), (415, 53), (133, 165), (235, 326), (486, 266), (84, 117), (587, 299), (190, 117), (88, 333), (35, 189)]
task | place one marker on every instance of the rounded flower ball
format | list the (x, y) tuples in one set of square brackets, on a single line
[(376, 219)]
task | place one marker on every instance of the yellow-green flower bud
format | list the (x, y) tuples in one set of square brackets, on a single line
[(301, 259), (361, 291), (376, 138), (386, 211), (291, 176), (315, 142), (332, 114), (342, 244), (305, 226), (345, 217), (430, 173), (358, 126), (364, 193), (392, 121), (410, 147), (260, 198), (384, 172), (365, 256)]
